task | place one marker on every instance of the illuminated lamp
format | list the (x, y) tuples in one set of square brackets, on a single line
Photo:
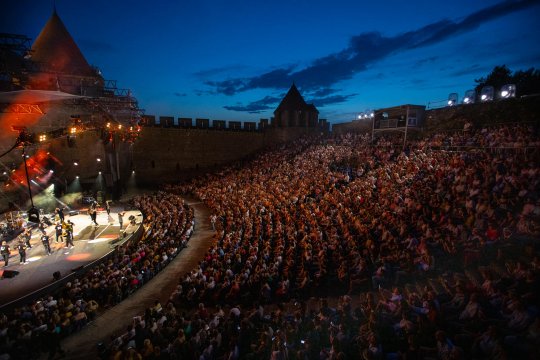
[(42, 137), (508, 91), (470, 97), (98, 159), (76, 162), (119, 126), (487, 93), (452, 99)]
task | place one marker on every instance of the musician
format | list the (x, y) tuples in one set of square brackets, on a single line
[(27, 235), (4, 251), (60, 213), (121, 219), (58, 231), (46, 244), (68, 228), (21, 246), (42, 227), (93, 212)]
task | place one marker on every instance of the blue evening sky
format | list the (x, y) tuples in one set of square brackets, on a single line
[(235, 59)]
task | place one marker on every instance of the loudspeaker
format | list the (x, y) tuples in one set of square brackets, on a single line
[(7, 274)]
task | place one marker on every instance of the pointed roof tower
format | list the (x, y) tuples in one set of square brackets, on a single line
[(55, 47), (292, 101)]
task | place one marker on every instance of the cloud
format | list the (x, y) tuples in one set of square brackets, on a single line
[(321, 92), (364, 50), (255, 107), (330, 100), (271, 102), (472, 69)]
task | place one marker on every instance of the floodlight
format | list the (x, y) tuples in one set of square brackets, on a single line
[(452, 99), (470, 96), (508, 91), (487, 93)]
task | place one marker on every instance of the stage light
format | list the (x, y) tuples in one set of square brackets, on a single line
[(42, 137), (5, 172), (133, 171), (76, 177), (119, 126), (98, 159), (73, 130), (452, 99), (487, 93), (51, 171), (99, 173), (470, 97), (108, 125), (508, 91), (75, 163)]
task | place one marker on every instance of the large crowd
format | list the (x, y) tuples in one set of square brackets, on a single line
[(388, 232), (39, 326), (343, 249)]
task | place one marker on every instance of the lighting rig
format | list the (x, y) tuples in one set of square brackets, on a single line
[(111, 131)]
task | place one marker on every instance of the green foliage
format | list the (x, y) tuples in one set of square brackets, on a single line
[(527, 82)]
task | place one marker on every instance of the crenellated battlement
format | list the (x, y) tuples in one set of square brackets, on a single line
[(222, 125)]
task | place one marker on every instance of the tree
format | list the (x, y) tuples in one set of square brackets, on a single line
[(527, 82)]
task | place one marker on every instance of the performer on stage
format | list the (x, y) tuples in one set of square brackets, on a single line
[(69, 234), (21, 246), (93, 212), (4, 251), (42, 227), (108, 207), (46, 244), (60, 213), (58, 230), (121, 219), (27, 235)]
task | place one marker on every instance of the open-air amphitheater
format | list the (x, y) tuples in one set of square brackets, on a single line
[(276, 239)]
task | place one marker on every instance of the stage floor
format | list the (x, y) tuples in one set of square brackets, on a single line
[(91, 243)]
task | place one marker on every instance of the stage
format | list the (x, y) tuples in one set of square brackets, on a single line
[(91, 243)]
